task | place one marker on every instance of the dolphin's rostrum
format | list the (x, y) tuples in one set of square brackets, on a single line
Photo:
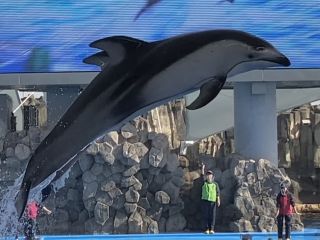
[(137, 76)]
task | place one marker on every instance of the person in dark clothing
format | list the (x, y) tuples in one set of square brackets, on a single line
[(46, 192), (13, 122), (30, 224), (210, 199), (285, 207)]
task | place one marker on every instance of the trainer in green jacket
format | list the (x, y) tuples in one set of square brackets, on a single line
[(210, 199)]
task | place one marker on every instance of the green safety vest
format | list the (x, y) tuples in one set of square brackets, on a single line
[(209, 192)]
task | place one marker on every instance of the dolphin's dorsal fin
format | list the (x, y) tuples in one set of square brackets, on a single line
[(100, 59), (208, 92), (118, 47)]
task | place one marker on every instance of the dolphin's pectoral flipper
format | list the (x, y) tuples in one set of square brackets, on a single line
[(208, 92), (118, 47), (22, 198), (100, 59)]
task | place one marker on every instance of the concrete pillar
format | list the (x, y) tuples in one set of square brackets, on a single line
[(255, 120), (58, 101)]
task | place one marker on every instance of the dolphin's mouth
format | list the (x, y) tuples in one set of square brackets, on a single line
[(282, 60), (259, 64)]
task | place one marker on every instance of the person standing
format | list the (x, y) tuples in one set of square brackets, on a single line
[(210, 199), (30, 225), (285, 207)]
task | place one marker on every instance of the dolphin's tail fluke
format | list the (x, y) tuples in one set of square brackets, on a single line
[(22, 198), (100, 59)]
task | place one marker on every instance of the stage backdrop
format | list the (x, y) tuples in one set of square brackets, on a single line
[(53, 35)]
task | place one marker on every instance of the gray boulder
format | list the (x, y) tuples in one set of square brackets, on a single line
[(118, 168), (108, 226), (88, 177), (241, 225), (227, 179), (133, 153), (176, 223), (93, 149), (162, 197), (131, 171), (108, 185), (266, 224), (97, 169), (9, 152), (152, 227), (130, 207), (128, 131), (155, 157), (120, 222), (101, 213), (104, 198), (112, 138), (135, 223), (61, 215), (172, 190), (130, 181), (89, 190), (115, 192), (73, 195), (105, 150), (172, 163), (119, 202), (144, 203), (132, 196), (91, 226), (90, 204), (22, 151), (85, 161), (159, 140)]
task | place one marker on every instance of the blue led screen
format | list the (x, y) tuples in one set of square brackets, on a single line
[(53, 35)]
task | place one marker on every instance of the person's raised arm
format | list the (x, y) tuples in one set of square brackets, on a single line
[(202, 168), (47, 210)]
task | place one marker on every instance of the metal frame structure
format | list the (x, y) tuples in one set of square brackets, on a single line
[(251, 108)]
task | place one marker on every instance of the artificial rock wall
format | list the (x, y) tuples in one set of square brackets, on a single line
[(298, 148), (134, 181)]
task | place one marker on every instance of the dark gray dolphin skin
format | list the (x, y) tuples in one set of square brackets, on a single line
[(137, 76)]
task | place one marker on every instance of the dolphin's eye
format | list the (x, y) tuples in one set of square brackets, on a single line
[(259, 49)]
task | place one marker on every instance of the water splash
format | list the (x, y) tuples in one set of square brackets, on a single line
[(9, 224)]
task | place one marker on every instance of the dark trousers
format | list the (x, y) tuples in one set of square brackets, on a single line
[(30, 229), (287, 219), (209, 214)]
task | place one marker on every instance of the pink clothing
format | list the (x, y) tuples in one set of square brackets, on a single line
[(32, 210)]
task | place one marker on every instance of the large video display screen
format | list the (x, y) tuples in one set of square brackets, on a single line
[(53, 35)]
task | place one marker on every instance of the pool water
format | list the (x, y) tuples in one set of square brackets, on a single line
[(310, 234)]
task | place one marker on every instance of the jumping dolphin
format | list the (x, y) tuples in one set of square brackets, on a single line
[(150, 3), (138, 76)]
